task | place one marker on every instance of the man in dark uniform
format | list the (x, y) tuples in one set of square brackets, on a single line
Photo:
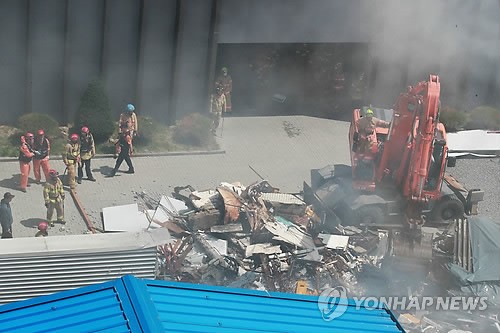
[(123, 150)]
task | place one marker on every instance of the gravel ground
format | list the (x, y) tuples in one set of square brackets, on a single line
[(482, 173)]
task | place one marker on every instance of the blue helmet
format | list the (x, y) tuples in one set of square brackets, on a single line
[(130, 107)]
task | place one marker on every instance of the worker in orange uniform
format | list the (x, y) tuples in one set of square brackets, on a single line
[(25, 156), (87, 151), (123, 151), (218, 108), (225, 81), (53, 195), (71, 157), (366, 128), (41, 158), (128, 120)]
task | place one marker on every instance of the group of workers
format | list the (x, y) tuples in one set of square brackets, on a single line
[(220, 101), (77, 156)]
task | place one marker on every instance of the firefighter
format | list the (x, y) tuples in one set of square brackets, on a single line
[(366, 128), (123, 150), (71, 158), (128, 120), (26, 154), (42, 229), (53, 195), (226, 82), (217, 108), (41, 158), (87, 151)]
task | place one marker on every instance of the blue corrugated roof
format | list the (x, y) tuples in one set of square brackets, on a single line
[(133, 305)]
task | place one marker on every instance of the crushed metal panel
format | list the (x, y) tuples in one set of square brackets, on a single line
[(290, 234), (232, 204), (335, 242), (124, 218), (203, 199), (264, 248), (282, 198), (227, 228), (169, 207)]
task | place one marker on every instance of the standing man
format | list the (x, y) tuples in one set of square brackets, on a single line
[(71, 158), (41, 158), (123, 149), (53, 195), (366, 128), (6, 215), (128, 120), (87, 151), (218, 107), (226, 82), (25, 156)]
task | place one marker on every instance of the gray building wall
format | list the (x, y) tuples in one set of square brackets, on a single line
[(160, 54)]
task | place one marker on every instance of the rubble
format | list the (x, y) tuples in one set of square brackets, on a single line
[(255, 237)]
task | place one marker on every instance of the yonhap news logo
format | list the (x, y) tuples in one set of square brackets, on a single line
[(333, 303)]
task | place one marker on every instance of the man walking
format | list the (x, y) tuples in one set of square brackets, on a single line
[(87, 151), (71, 158), (128, 120), (6, 215), (123, 149), (41, 158), (25, 156), (217, 108), (53, 195), (226, 82)]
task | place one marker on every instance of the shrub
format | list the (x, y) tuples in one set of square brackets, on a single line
[(193, 130), (147, 129), (484, 117), (452, 119), (32, 122), (95, 112)]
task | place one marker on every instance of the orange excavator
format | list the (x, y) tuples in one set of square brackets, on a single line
[(397, 170)]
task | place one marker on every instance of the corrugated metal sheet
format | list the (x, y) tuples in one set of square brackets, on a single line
[(196, 308), (161, 306), (64, 263), (282, 198), (101, 308)]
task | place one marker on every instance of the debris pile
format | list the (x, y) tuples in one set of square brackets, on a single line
[(256, 237)]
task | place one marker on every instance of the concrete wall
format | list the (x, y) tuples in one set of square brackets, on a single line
[(159, 54)]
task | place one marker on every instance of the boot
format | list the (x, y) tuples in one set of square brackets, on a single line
[(51, 223), (131, 170), (91, 178), (79, 180)]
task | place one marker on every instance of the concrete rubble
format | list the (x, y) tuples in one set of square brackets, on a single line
[(256, 237)]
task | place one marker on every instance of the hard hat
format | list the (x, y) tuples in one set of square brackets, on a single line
[(224, 69), (29, 135), (369, 113), (74, 137), (85, 129), (43, 226), (53, 173), (41, 132), (130, 107)]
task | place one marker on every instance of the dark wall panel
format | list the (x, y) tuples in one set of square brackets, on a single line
[(84, 39), (13, 29), (192, 57), (292, 21), (121, 43), (47, 54), (153, 86)]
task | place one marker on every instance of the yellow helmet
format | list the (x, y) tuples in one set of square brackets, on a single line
[(369, 113)]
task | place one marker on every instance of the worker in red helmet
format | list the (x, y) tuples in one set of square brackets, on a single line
[(87, 151), (42, 229), (53, 195), (71, 157), (41, 158), (26, 153)]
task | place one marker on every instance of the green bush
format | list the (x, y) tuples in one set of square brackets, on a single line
[(484, 117), (32, 122), (147, 130), (95, 112), (193, 130), (452, 119)]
